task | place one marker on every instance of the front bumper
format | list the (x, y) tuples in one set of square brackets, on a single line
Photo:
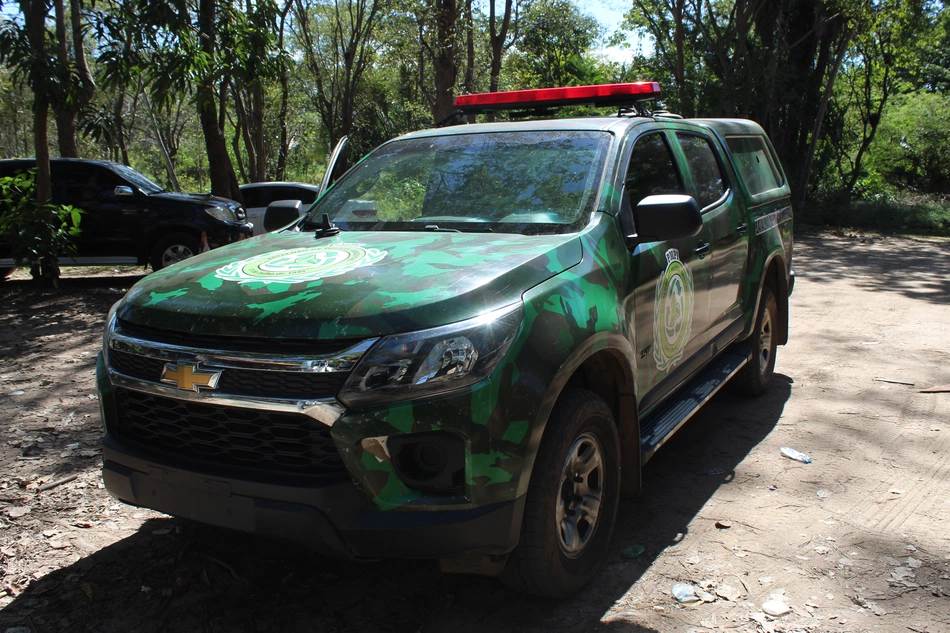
[(334, 519), (221, 234)]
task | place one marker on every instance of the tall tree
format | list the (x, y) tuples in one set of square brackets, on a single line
[(24, 48), (776, 62), (498, 39), (555, 38), (338, 44), (76, 86)]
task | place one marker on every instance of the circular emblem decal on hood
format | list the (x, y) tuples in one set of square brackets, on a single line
[(300, 265)]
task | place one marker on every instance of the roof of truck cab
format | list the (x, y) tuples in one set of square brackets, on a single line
[(611, 123), (589, 123)]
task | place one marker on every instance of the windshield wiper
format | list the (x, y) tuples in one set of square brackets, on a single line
[(478, 229)]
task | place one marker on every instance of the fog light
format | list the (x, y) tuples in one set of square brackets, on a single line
[(429, 461)]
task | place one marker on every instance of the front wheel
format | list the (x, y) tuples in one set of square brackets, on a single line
[(173, 248), (754, 378), (572, 500)]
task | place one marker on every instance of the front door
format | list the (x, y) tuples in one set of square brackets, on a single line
[(671, 279)]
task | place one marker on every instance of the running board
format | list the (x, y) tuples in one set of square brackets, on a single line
[(660, 425)]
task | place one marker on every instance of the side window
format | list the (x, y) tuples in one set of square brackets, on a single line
[(70, 183), (252, 197), (754, 163), (294, 193), (103, 185), (651, 170), (707, 172), (307, 196)]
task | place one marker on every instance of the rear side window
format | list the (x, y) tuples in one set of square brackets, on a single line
[(754, 163), (306, 196), (707, 173), (255, 197), (651, 170)]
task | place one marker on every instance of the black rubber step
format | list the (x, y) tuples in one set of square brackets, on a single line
[(670, 416)]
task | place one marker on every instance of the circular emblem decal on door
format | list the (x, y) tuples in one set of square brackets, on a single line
[(672, 311), (300, 265)]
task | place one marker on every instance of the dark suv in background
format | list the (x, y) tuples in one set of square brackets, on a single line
[(128, 218)]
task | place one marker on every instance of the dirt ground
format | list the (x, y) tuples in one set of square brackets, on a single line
[(855, 541)]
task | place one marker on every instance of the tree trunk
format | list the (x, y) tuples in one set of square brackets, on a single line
[(65, 112), (34, 14), (257, 133), (469, 84), (162, 146), (120, 125), (445, 64), (678, 47), (70, 102), (284, 147), (799, 196), (220, 169), (497, 41)]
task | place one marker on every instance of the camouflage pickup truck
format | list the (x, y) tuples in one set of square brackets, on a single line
[(469, 346)]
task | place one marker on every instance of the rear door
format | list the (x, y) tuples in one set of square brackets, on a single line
[(724, 221)]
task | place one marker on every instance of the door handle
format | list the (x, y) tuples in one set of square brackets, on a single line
[(742, 228), (702, 250)]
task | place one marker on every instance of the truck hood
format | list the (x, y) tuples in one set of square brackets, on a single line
[(351, 285), (201, 199)]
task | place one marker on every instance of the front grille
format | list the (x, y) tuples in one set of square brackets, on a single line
[(242, 382), (286, 443), (239, 344)]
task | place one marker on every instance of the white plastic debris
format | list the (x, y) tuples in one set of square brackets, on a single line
[(791, 453), (685, 593)]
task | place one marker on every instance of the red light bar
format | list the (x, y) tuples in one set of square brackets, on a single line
[(607, 94)]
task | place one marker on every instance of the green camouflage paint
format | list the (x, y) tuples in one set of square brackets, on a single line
[(580, 296)]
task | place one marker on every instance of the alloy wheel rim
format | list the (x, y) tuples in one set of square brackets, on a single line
[(765, 342), (580, 495), (176, 253)]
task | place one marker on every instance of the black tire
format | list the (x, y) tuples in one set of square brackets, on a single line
[(173, 248), (754, 378), (552, 561), (5, 272)]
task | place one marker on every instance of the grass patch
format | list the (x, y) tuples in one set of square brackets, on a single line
[(909, 213)]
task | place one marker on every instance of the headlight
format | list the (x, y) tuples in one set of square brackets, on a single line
[(221, 213), (427, 362), (110, 325)]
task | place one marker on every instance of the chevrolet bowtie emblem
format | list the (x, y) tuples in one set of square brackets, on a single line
[(188, 376)]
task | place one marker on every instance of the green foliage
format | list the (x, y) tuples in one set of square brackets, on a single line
[(16, 135), (554, 45), (912, 149), (900, 213), (40, 233)]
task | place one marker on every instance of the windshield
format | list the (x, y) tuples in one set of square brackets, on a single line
[(510, 182), (137, 179)]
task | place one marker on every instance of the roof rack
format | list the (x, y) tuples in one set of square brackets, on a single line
[(626, 95)]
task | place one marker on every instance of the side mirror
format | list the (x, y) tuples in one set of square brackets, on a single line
[(281, 213), (666, 217), (123, 192)]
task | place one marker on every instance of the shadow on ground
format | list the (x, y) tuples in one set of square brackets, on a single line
[(175, 576), (882, 265)]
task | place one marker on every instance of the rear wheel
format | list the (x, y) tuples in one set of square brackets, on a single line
[(754, 378), (572, 500), (173, 248)]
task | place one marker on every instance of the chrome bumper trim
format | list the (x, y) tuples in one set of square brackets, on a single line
[(325, 410)]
